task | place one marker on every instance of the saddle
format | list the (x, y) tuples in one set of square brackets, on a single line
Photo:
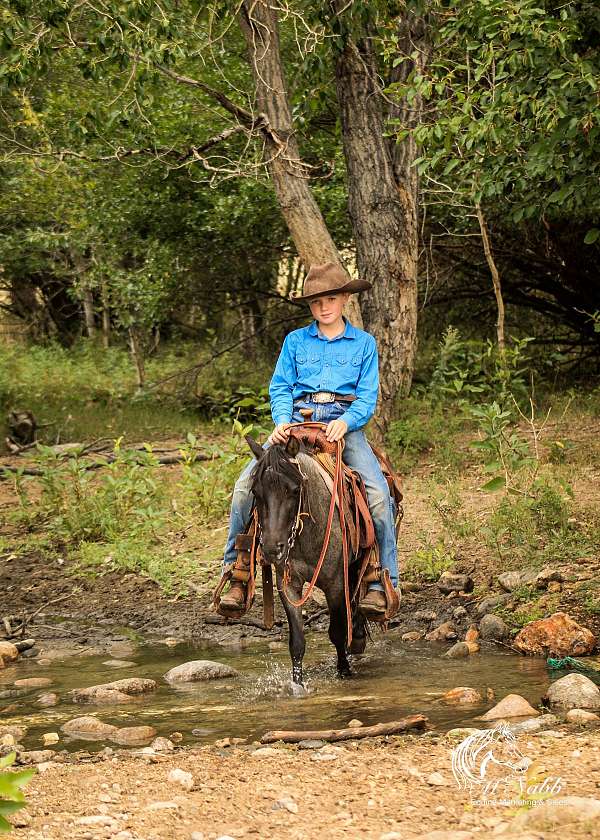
[(359, 526)]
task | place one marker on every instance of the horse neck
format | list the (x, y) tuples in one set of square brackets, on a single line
[(317, 498)]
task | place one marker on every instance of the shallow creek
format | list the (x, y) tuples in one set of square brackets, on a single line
[(392, 680)]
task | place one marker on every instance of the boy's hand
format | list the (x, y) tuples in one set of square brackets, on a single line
[(336, 430), (280, 433)]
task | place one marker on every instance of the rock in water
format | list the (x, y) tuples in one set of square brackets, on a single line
[(558, 635), (48, 699), (491, 602), (199, 670), (442, 633), (119, 691), (133, 735), (88, 727), (9, 652), (575, 691), (33, 682), (513, 705), (492, 628), (453, 582), (458, 651), (461, 695)]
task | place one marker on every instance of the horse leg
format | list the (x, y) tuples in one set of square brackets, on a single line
[(296, 627), (337, 632)]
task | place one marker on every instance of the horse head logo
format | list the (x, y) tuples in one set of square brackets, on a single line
[(475, 758)]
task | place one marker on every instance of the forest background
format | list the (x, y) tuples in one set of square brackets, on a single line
[(163, 167)]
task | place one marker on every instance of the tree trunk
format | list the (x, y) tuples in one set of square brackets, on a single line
[(487, 249), (105, 318), (382, 200), (138, 357), (88, 311), (259, 24)]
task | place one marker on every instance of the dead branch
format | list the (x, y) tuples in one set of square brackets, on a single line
[(168, 460), (392, 728)]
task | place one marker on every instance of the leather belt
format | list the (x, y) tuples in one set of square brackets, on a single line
[(328, 397)]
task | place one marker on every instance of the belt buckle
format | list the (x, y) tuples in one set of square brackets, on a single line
[(323, 397)]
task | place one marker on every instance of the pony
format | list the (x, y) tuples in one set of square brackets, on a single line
[(292, 502)]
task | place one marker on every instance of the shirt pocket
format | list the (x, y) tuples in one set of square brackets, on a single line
[(341, 359), (357, 360), (306, 362)]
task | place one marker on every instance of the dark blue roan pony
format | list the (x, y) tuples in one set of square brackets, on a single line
[(293, 505)]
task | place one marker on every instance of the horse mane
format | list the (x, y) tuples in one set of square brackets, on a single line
[(278, 465)]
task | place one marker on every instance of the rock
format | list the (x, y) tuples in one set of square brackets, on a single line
[(176, 737), (412, 636), (454, 582), (547, 576), (161, 744), (354, 723), (133, 735), (442, 834), (1, 663), (442, 633), (546, 816), (170, 641), (162, 806), (491, 602), (461, 695), (36, 756), (48, 699), (462, 732), (527, 726), (12, 729), (200, 670), (119, 691), (459, 613), (33, 682), (492, 628), (510, 581), (50, 738), (458, 651), (513, 705), (97, 819), (310, 745), (558, 635), (581, 716), (265, 752), (89, 728), (473, 647), (575, 691), (9, 652), (425, 615), (472, 634), (118, 663), (181, 777), (437, 779), (286, 803)]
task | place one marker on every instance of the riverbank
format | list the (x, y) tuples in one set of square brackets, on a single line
[(382, 789)]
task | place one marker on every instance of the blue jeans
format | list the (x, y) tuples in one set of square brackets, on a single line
[(358, 455)]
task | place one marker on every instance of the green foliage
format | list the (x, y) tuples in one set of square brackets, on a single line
[(12, 798), (469, 370), (425, 429), (429, 561), (513, 85)]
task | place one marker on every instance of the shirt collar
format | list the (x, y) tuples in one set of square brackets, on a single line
[(349, 330)]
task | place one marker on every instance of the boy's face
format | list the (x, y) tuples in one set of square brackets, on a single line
[(328, 309)]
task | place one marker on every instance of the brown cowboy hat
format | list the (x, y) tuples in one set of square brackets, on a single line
[(329, 278)]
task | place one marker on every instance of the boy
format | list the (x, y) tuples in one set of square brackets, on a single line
[(331, 367)]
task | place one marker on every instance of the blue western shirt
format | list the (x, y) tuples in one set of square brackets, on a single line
[(310, 362)]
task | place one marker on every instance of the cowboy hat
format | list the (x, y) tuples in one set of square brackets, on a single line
[(327, 279)]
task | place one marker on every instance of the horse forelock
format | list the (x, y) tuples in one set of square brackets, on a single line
[(275, 469)]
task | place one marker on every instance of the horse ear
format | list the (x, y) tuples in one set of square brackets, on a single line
[(292, 447), (256, 448)]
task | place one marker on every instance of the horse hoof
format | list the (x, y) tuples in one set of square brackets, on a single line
[(298, 689), (344, 673)]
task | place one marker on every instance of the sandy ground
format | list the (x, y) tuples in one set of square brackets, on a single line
[(374, 789)]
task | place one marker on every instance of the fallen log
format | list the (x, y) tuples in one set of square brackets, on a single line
[(391, 728), (7, 469)]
